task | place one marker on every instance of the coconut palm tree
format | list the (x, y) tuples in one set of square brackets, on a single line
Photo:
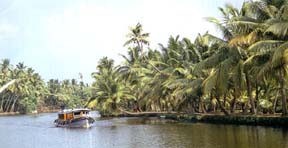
[(138, 38), (108, 90)]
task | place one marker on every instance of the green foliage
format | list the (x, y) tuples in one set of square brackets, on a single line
[(109, 90), (29, 92), (28, 105), (208, 73), (244, 70)]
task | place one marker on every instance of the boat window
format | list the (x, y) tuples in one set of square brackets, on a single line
[(77, 113), (61, 116)]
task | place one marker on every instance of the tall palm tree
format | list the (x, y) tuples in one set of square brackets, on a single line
[(137, 37)]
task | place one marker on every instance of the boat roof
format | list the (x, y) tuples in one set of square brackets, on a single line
[(73, 110)]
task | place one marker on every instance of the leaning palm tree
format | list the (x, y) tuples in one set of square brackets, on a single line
[(7, 85)]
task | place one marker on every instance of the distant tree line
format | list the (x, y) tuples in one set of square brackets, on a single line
[(29, 92)]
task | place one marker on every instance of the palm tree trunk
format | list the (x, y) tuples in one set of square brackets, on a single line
[(7, 85), (13, 105), (201, 106), (233, 106), (249, 91), (275, 103), (2, 103), (113, 105), (225, 99), (8, 103), (159, 104), (139, 47), (283, 93), (212, 107), (257, 96), (221, 106), (244, 107)]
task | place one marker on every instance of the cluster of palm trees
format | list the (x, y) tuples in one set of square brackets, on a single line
[(68, 93), (23, 90), (243, 71)]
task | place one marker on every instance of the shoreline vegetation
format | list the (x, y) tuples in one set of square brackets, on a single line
[(251, 120), (19, 113), (235, 119), (238, 78), (32, 112)]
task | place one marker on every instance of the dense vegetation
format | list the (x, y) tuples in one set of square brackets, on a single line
[(28, 92), (243, 71)]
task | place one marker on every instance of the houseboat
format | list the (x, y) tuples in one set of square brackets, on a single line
[(74, 118)]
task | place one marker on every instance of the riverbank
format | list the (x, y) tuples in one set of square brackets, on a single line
[(260, 120), (33, 112), (9, 113), (239, 119)]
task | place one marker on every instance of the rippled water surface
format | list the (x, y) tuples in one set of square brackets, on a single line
[(38, 131)]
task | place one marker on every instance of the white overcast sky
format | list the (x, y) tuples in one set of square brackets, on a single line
[(60, 38)]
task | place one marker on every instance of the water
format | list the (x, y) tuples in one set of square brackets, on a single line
[(38, 131)]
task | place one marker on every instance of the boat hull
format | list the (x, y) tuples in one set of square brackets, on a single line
[(75, 123)]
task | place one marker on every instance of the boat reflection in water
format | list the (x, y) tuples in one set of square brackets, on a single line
[(74, 118)]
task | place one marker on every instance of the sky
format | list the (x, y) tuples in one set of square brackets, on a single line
[(62, 38)]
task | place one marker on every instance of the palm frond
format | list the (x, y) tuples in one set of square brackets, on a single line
[(280, 56), (158, 63), (278, 29), (255, 9), (193, 86), (218, 78), (224, 30), (211, 39), (210, 82), (243, 40), (264, 46), (212, 61), (264, 70), (192, 48), (232, 10), (242, 26)]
